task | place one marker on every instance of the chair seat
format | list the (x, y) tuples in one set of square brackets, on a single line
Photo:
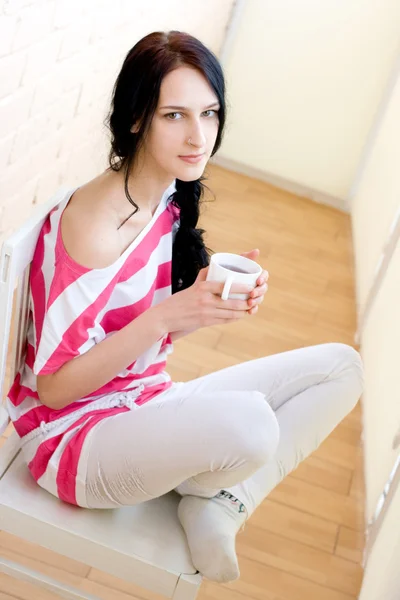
[(135, 543)]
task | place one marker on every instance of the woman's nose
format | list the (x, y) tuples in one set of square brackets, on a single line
[(197, 136)]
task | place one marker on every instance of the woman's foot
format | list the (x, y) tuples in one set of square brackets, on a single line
[(211, 525)]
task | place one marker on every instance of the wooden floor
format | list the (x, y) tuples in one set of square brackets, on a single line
[(305, 541)]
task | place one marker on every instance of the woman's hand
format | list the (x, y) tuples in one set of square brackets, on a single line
[(258, 293), (201, 305)]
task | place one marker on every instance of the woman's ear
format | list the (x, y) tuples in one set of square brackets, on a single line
[(136, 126)]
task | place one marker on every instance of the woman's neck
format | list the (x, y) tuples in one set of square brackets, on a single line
[(144, 187)]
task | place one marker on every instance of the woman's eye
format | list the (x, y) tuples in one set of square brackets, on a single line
[(171, 116)]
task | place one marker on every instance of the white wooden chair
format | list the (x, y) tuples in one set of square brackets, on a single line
[(144, 545)]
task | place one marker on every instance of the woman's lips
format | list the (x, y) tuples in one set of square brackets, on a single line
[(193, 160)]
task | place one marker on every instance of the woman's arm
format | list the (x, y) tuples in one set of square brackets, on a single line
[(175, 335), (99, 365)]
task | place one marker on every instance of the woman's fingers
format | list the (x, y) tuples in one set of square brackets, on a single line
[(253, 310), (263, 278), (259, 291)]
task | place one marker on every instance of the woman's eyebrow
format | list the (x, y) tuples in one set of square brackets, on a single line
[(185, 107)]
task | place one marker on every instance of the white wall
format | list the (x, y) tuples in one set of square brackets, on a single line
[(58, 63), (381, 406), (305, 80), (374, 208), (377, 197), (382, 575)]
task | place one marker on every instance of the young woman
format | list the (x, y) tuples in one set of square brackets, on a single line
[(101, 422)]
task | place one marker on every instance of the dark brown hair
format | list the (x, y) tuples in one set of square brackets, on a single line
[(134, 100)]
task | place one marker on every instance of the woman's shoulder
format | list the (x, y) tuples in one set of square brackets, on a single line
[(88, 228)]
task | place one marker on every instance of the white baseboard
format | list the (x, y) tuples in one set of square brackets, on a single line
[(280, 182)]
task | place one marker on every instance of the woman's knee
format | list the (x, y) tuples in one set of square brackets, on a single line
[(348, 367), (258, 434), (350, 361)]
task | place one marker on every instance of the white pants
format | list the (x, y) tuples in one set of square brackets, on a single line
[(241, 429)]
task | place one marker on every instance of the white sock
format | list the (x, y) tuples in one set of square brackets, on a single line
[(211, 525)]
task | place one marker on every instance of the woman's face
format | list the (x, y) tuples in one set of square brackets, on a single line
[(187, 108)]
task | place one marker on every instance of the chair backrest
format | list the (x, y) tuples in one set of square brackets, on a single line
[(16, 256)]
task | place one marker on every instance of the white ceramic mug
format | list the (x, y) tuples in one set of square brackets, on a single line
[(222, 268)]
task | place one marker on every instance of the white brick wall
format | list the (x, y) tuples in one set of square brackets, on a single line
[(58, 63)]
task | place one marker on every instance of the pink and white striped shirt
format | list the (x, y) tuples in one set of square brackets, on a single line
[(72, 308)]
